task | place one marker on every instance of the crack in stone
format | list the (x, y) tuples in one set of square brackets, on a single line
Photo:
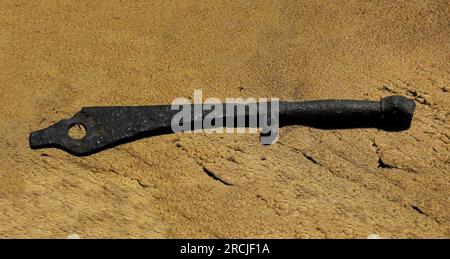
[(207, 171), (418, 97), (381, 163), (310, 158), (214, 176), (419, 210)]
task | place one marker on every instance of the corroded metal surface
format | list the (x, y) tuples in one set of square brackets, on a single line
[(110, 126)]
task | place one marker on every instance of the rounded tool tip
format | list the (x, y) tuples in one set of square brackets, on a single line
[(34, 140), (37, 139), (397, 112)]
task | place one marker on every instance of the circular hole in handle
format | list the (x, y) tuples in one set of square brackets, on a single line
[(77, 131)]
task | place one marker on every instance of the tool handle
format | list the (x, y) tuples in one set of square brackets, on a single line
[(390, 113)]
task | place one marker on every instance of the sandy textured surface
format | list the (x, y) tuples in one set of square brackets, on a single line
[(58, 56)]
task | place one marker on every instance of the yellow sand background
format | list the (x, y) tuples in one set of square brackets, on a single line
[(58, 56)]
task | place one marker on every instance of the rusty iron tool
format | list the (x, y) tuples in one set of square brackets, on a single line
[(110, 126)]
